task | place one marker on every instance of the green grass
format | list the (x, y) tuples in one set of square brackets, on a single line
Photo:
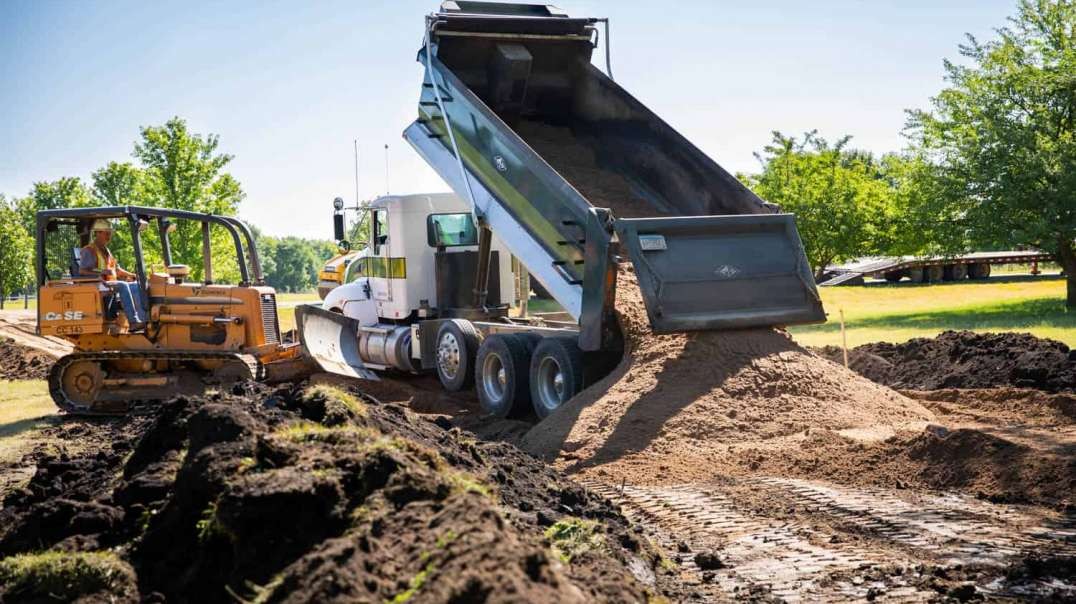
[(25, 408), (896, 313), (58, 576), (18, 304)]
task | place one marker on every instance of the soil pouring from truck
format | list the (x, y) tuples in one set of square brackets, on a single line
[(562, 174)]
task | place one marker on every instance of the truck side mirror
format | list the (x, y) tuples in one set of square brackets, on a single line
[(338, 226)]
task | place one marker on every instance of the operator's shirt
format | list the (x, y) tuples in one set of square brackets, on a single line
[(88, 261)]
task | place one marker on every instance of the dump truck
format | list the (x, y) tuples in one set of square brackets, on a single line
[(572, 175), (194, 334)]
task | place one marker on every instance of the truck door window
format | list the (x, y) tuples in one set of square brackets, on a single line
[(451, 230), (380, 234)]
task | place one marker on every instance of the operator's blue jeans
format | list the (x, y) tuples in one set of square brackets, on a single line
[(131, 298)]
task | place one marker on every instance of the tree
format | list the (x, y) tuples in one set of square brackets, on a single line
[(16, 251), (835, 193), (295, 265), (184, 171), (119, 184), (66, 192), (1003, 137)]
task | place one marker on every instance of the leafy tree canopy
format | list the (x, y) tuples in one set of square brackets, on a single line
[(1003, 137)]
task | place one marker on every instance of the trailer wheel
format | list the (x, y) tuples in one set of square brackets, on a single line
[(915, 274), (956, 272), (933, 273), (457, 343), (979, 270), (556, 374), (894, 276), (502, 375)]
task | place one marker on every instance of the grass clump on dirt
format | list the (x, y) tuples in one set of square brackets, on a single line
[(61, 575), (572, 537), (302, 432), (337, 402)]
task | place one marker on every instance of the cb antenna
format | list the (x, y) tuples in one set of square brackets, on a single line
[(356, 142), (386, 168)]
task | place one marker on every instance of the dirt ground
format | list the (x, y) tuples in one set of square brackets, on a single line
[(740, 467)]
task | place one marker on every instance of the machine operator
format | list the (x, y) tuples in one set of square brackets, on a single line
[(96, 260)]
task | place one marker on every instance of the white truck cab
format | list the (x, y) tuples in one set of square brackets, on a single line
[(420, 261)]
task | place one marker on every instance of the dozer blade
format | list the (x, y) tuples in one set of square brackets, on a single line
[(721, 272), (332, 340)]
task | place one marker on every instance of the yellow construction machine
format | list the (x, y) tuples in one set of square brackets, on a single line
[(142, 335)]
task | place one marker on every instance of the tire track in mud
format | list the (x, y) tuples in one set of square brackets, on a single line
[(832, 547)]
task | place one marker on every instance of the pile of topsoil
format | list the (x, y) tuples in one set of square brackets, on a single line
[(963, 359), (18, 362), (309, 494), (674, 404)]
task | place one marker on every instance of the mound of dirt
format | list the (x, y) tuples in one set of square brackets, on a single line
[(963, 359), (311, 494), (673, 404), (18, 362)]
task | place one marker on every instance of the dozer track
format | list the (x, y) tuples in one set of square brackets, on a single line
[(111, 383)]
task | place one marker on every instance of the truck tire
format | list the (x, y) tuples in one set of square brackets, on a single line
[(956, 272), (457, 344), (980, 270), (502, 376), (894, 276), (933, 273), (916, 274), (556, 374)]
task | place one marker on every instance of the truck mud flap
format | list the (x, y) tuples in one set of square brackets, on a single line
[(721, 272), (331, 340)]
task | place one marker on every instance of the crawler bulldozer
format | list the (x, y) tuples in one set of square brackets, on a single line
[(191, 336)]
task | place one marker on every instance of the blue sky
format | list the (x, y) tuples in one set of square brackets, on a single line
[(289, 85)]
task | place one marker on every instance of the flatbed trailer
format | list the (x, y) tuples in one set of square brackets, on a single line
[(929, 269)]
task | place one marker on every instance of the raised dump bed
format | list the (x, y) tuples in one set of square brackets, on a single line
[(564, 164)]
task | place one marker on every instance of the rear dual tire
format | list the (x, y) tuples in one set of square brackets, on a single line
[(501, 375), (520, 374)]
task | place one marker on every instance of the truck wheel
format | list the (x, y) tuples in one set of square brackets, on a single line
[(933, 273), (915, 275), (502, 370), (894, 276), (956, 272), (457, 343), (556, 374), (980, 270)]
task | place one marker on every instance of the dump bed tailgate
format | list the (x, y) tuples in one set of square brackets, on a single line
[(721, 272)]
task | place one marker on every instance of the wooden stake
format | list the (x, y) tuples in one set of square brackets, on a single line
[(844, 338)]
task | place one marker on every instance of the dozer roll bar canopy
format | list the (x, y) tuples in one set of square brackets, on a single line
[(48, 220)]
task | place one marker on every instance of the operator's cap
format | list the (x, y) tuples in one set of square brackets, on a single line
[(101, 225)]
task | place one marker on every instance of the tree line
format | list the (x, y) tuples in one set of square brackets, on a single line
[(173, 168), (990, 164)]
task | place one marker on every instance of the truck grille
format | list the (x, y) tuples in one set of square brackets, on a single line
[(269, 319)]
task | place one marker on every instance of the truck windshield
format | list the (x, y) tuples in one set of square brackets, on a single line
[(451, 230)]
